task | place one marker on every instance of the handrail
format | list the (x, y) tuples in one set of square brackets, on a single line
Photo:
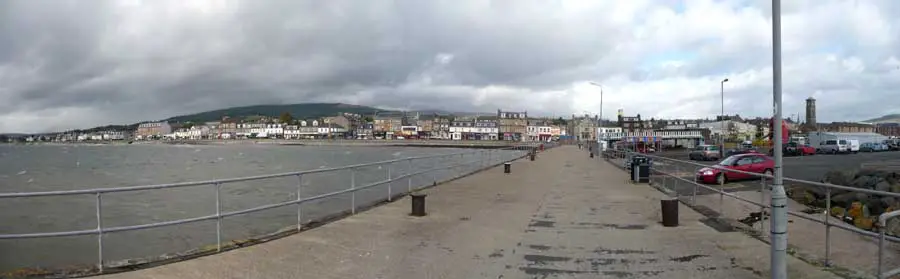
[(487, 162), (761, 175), (882, 219), (220, 181)]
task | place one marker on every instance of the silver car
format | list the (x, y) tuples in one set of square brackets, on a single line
[(705, 153)]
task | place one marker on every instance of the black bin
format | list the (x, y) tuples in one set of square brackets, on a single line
[(643, 175), (507, 167), (418, 204), (636, 161), (669, 212)]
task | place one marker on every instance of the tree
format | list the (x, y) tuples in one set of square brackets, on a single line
[(560, 122), (368, 119), (286, 118)]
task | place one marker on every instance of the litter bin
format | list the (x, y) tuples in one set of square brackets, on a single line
[(643, 174), (506, 167), (634, 165), (669, 212)]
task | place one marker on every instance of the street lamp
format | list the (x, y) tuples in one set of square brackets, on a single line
[(722, 134), (601, 101), (778, 233), (600, 122)]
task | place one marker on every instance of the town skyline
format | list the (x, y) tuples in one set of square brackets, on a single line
[(795, 117)]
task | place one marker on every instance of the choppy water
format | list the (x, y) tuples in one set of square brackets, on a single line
[(51, 168)]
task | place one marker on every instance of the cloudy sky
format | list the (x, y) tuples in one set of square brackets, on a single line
[(75, 64)]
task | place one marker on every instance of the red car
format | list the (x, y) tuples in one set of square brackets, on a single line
[(806, 149), (750, 162)]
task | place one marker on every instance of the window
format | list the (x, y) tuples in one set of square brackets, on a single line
[(758, 159), (745, 161)]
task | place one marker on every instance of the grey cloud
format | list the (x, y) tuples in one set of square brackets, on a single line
[(129, 64)]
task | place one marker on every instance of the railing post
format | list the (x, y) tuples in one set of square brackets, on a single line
[(879, 267), (828, 226), (434, 168), (99, 204), (762, 207), (722, 194), (696, 188), (218, 187), (677, 171), (461, 167), (409, 176), (299, 206), (353, 191), (390, 180)]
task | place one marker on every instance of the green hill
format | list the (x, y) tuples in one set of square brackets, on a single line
[(890, 118), (298, 111)]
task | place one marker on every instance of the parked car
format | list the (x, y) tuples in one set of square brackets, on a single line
[(755, 163), (853, 146), (892, 144), (743, 150), (705, 153), (806, 150), (873, 147), (795, 149), (833, 147)]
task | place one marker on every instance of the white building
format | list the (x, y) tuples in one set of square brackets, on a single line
[(539, 132), (274, 130), (605, 136), (193, 133), (729, 128)]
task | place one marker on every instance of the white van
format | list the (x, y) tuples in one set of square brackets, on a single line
[(853, 146), (834, 146)]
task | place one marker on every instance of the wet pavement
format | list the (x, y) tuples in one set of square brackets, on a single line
[(561, 216)]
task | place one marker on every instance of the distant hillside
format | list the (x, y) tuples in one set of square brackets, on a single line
[(298, 111), (890, 118)]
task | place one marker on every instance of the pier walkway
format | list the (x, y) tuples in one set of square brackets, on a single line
[(562, 216)]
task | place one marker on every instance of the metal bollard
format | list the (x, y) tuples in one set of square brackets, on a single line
[(532, 156), (669, 212), (507, 167), (418, 204), (592, 154)]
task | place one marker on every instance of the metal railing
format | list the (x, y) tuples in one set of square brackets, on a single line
[(486, 158), (673, 171)]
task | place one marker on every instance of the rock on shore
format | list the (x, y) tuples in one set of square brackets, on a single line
[(860, 209)]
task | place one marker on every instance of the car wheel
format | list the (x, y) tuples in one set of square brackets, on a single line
[(721, 179)]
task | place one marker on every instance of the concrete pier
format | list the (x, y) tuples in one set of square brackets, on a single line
[(563, 216)]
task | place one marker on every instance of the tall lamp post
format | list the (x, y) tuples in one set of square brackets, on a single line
[(722, 134), (778, 233), (600, 123)]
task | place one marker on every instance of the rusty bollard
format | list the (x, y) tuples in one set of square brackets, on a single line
[(418, 204)]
